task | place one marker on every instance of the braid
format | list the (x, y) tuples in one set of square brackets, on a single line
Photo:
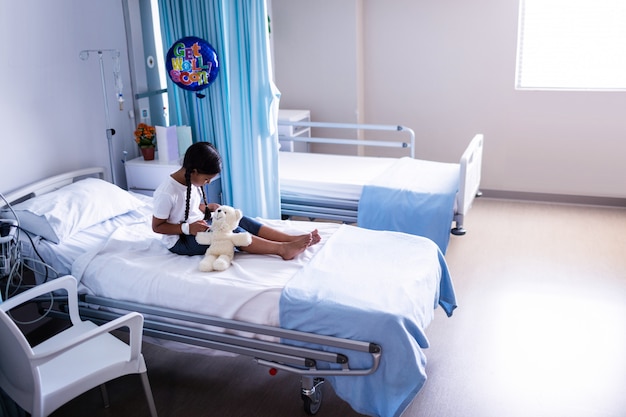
[(188, 182), (207, 214)]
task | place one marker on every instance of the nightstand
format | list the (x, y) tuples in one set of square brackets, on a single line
[(289, 130), (145, 176)]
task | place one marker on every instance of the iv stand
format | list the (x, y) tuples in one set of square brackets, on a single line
[(84, 55)]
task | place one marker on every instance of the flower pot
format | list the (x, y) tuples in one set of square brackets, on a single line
[(148, 153)]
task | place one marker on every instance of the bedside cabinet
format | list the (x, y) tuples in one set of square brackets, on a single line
[(145, 176), (285, 131)]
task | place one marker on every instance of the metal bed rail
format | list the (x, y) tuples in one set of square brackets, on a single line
[(469, 187), (359, 142), (342, 210), (297, 359), (337, 209), (50, 184)]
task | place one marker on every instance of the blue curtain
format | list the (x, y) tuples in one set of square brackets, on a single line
[(240, 110)]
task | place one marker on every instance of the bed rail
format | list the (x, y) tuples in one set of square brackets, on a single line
[(170, 324), (469, 181), (341, 210), (51, 184), (359, 142)]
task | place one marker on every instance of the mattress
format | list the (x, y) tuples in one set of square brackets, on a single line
[(249, 290), (328, 176)]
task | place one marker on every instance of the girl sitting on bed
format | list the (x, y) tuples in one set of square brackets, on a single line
[(180, 210)]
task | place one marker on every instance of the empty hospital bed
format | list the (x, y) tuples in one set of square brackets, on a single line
[(366, 189)]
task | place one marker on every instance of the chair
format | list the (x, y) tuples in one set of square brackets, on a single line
[(40, 379)]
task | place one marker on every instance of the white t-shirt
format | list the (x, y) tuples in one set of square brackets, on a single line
[(170, 200)]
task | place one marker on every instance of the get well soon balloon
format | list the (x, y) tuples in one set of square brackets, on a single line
[(192, 64)]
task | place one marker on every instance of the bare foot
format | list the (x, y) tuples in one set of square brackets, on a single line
[(292, 249), (315, 237)]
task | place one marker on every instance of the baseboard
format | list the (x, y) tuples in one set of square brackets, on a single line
[(555, 198)]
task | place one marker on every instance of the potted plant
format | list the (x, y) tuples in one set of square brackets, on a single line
[(145, 136)]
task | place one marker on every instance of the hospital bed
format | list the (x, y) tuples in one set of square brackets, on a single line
[(344, 311), (365, 190)]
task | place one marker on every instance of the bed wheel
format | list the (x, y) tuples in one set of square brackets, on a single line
[(458, 231), (313, 398)]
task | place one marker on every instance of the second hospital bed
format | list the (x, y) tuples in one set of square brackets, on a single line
[(425, 197), (343, 310)]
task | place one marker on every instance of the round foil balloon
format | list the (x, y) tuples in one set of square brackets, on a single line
[(192, 64)]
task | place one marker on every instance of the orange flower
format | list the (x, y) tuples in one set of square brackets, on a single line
[(145, 135)]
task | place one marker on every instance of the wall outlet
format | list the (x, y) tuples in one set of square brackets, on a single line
[(144, 115)]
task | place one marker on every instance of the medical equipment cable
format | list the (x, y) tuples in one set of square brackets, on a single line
[(15, 277), (10, 249), (17, 273), (50, 298), (40, 260)]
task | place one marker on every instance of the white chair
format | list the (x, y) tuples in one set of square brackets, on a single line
[(43, 378)]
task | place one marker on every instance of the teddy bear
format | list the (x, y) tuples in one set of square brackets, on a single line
[(221, 239)]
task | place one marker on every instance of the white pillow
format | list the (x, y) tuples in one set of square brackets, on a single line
[(61, 213)]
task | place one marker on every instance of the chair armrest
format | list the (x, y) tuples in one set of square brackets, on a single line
[(67, 283), (134, 322)]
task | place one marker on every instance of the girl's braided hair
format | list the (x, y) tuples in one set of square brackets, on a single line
[(204, 158)]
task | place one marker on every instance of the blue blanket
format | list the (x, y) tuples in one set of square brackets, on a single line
[(412, 196), (375, 287)]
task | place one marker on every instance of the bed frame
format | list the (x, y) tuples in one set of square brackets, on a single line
[(272, 354), (50, 184), (345, 210), (180, 326)]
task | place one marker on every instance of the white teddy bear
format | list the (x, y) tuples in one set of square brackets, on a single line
[(221, 239)]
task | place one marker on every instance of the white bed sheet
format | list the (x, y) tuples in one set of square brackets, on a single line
[(330, 176), (248, 291)]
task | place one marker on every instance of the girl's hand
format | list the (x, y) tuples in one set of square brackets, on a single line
[(197, 227)]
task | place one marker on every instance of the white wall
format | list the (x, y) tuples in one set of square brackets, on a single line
[(446, 69), (315, 49), (52, 107), (443, 68)]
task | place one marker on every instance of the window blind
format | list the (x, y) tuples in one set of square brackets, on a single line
[(571, 45)]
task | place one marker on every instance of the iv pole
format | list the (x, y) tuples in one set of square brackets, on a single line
[(84, 55)]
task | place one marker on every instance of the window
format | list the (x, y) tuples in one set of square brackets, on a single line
[(152, 101), (571, 45), (158, 41)]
